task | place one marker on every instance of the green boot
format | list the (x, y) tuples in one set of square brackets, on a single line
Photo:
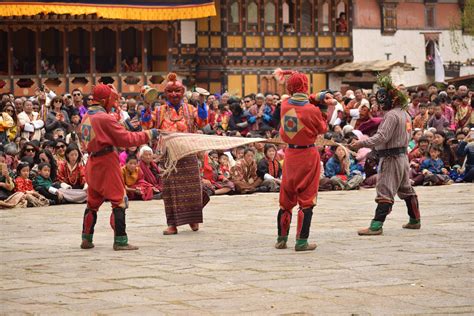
[(121, 243), (412, 224), (374, 229), (281, 242), (302, 245), (87, 241)]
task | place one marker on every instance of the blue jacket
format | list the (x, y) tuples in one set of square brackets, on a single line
[(433, 166), (333, 167), (464, 150)]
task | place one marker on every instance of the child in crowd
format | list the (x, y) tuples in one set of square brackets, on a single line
[(23, 182), (212, 179), (44, 186), (344, 173), (137, 188), (124, 154), (433, 168), (224, 165), (71, 172)]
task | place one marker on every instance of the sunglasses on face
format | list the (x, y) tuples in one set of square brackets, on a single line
[(247, 101), (90, 99), (30, 150), (9, 111), (69, 97), (60, 146), (58, 101), (76, 94)]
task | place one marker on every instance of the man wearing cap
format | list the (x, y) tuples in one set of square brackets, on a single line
[(301, 123), (101, 132)]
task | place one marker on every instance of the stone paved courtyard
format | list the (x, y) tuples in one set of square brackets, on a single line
[(231, 267)]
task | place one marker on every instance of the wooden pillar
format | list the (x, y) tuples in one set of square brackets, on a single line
[(38, 50), (10, 51), (92, 69), (144, 49), (66, 51), (118, 49)]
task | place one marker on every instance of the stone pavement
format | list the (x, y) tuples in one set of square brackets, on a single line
[(231, 267)]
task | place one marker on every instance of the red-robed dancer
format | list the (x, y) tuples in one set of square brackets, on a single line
[(182, 189), (100, 133), (301, 123)]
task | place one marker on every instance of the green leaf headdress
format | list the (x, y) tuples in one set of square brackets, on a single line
[(388, 96)]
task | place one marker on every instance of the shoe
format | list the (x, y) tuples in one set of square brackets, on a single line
[(450, 182), (87, 244), (281, 245), (412, 226), (52, 202), (369, 232), (171, 230), (118, 247), (262, 189), (306, 247), (194, 227)]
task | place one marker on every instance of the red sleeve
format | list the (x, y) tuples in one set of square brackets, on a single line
[(120, 137), (319, 121), (61, 172)]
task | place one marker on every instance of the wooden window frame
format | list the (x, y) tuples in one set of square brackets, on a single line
[(385, 8), (275, 3), (321, 17), (247, 24), (311, 2)]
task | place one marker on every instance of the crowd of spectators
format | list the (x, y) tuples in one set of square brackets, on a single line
[(42, 161)]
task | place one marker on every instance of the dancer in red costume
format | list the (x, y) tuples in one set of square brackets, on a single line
[(101, 132), (183, 194), (301, 123)]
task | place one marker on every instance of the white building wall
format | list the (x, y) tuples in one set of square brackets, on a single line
[(370, 44)]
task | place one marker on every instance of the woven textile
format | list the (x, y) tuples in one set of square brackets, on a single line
[(175, 146)]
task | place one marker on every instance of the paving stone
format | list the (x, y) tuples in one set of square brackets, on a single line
[(231, 267)]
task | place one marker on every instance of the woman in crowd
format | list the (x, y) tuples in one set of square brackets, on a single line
[(71, 172), (8, 123), (244, 174), (57, 118), (127, 152), (150, 170), (6, 182), (344, 173), (447, 154), (47, 157), (269, 169)]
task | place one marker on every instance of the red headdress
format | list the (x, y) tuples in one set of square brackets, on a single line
[(296, 82), (107, 96), (172, 81)]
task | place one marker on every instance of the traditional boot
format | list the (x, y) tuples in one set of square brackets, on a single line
[(413, 212), (171, 230), (119, 226), (194, 227), (375, 228), (88, 224), (304, 224), (283, 224)]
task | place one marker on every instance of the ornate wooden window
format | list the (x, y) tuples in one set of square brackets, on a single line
[(270, 16), (289, 16), (307, 16), (324, 17), (234, 17), (430, 16), (389, 18), (252, 17), (342, 24)]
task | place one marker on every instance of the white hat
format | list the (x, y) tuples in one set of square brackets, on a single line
[(347, 129), (202, 91)]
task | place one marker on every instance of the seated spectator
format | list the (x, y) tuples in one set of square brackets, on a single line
[(28, 150), (29, 122), (417, 133), (269, 169), (136, 187), (6, 182), (23, 182), (421, 119), (343, 171), (71, 172), (447, 155), (215, 182), (224, 165), (57, 118), (151, 171), (466, 150), (238, 121), (47, 157), (60, 150), (244, 174), (463, 116), (45, 186), (127, 152), (433, 168), (438, 120), (8, 122)]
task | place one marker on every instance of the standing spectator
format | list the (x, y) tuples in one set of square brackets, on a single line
[(30, 122), (57, 118), (78, 102), (463, 112)]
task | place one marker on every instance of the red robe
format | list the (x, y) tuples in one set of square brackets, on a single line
[(100, 130), (301, 123)]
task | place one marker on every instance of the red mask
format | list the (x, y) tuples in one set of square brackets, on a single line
[(174, 89)]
